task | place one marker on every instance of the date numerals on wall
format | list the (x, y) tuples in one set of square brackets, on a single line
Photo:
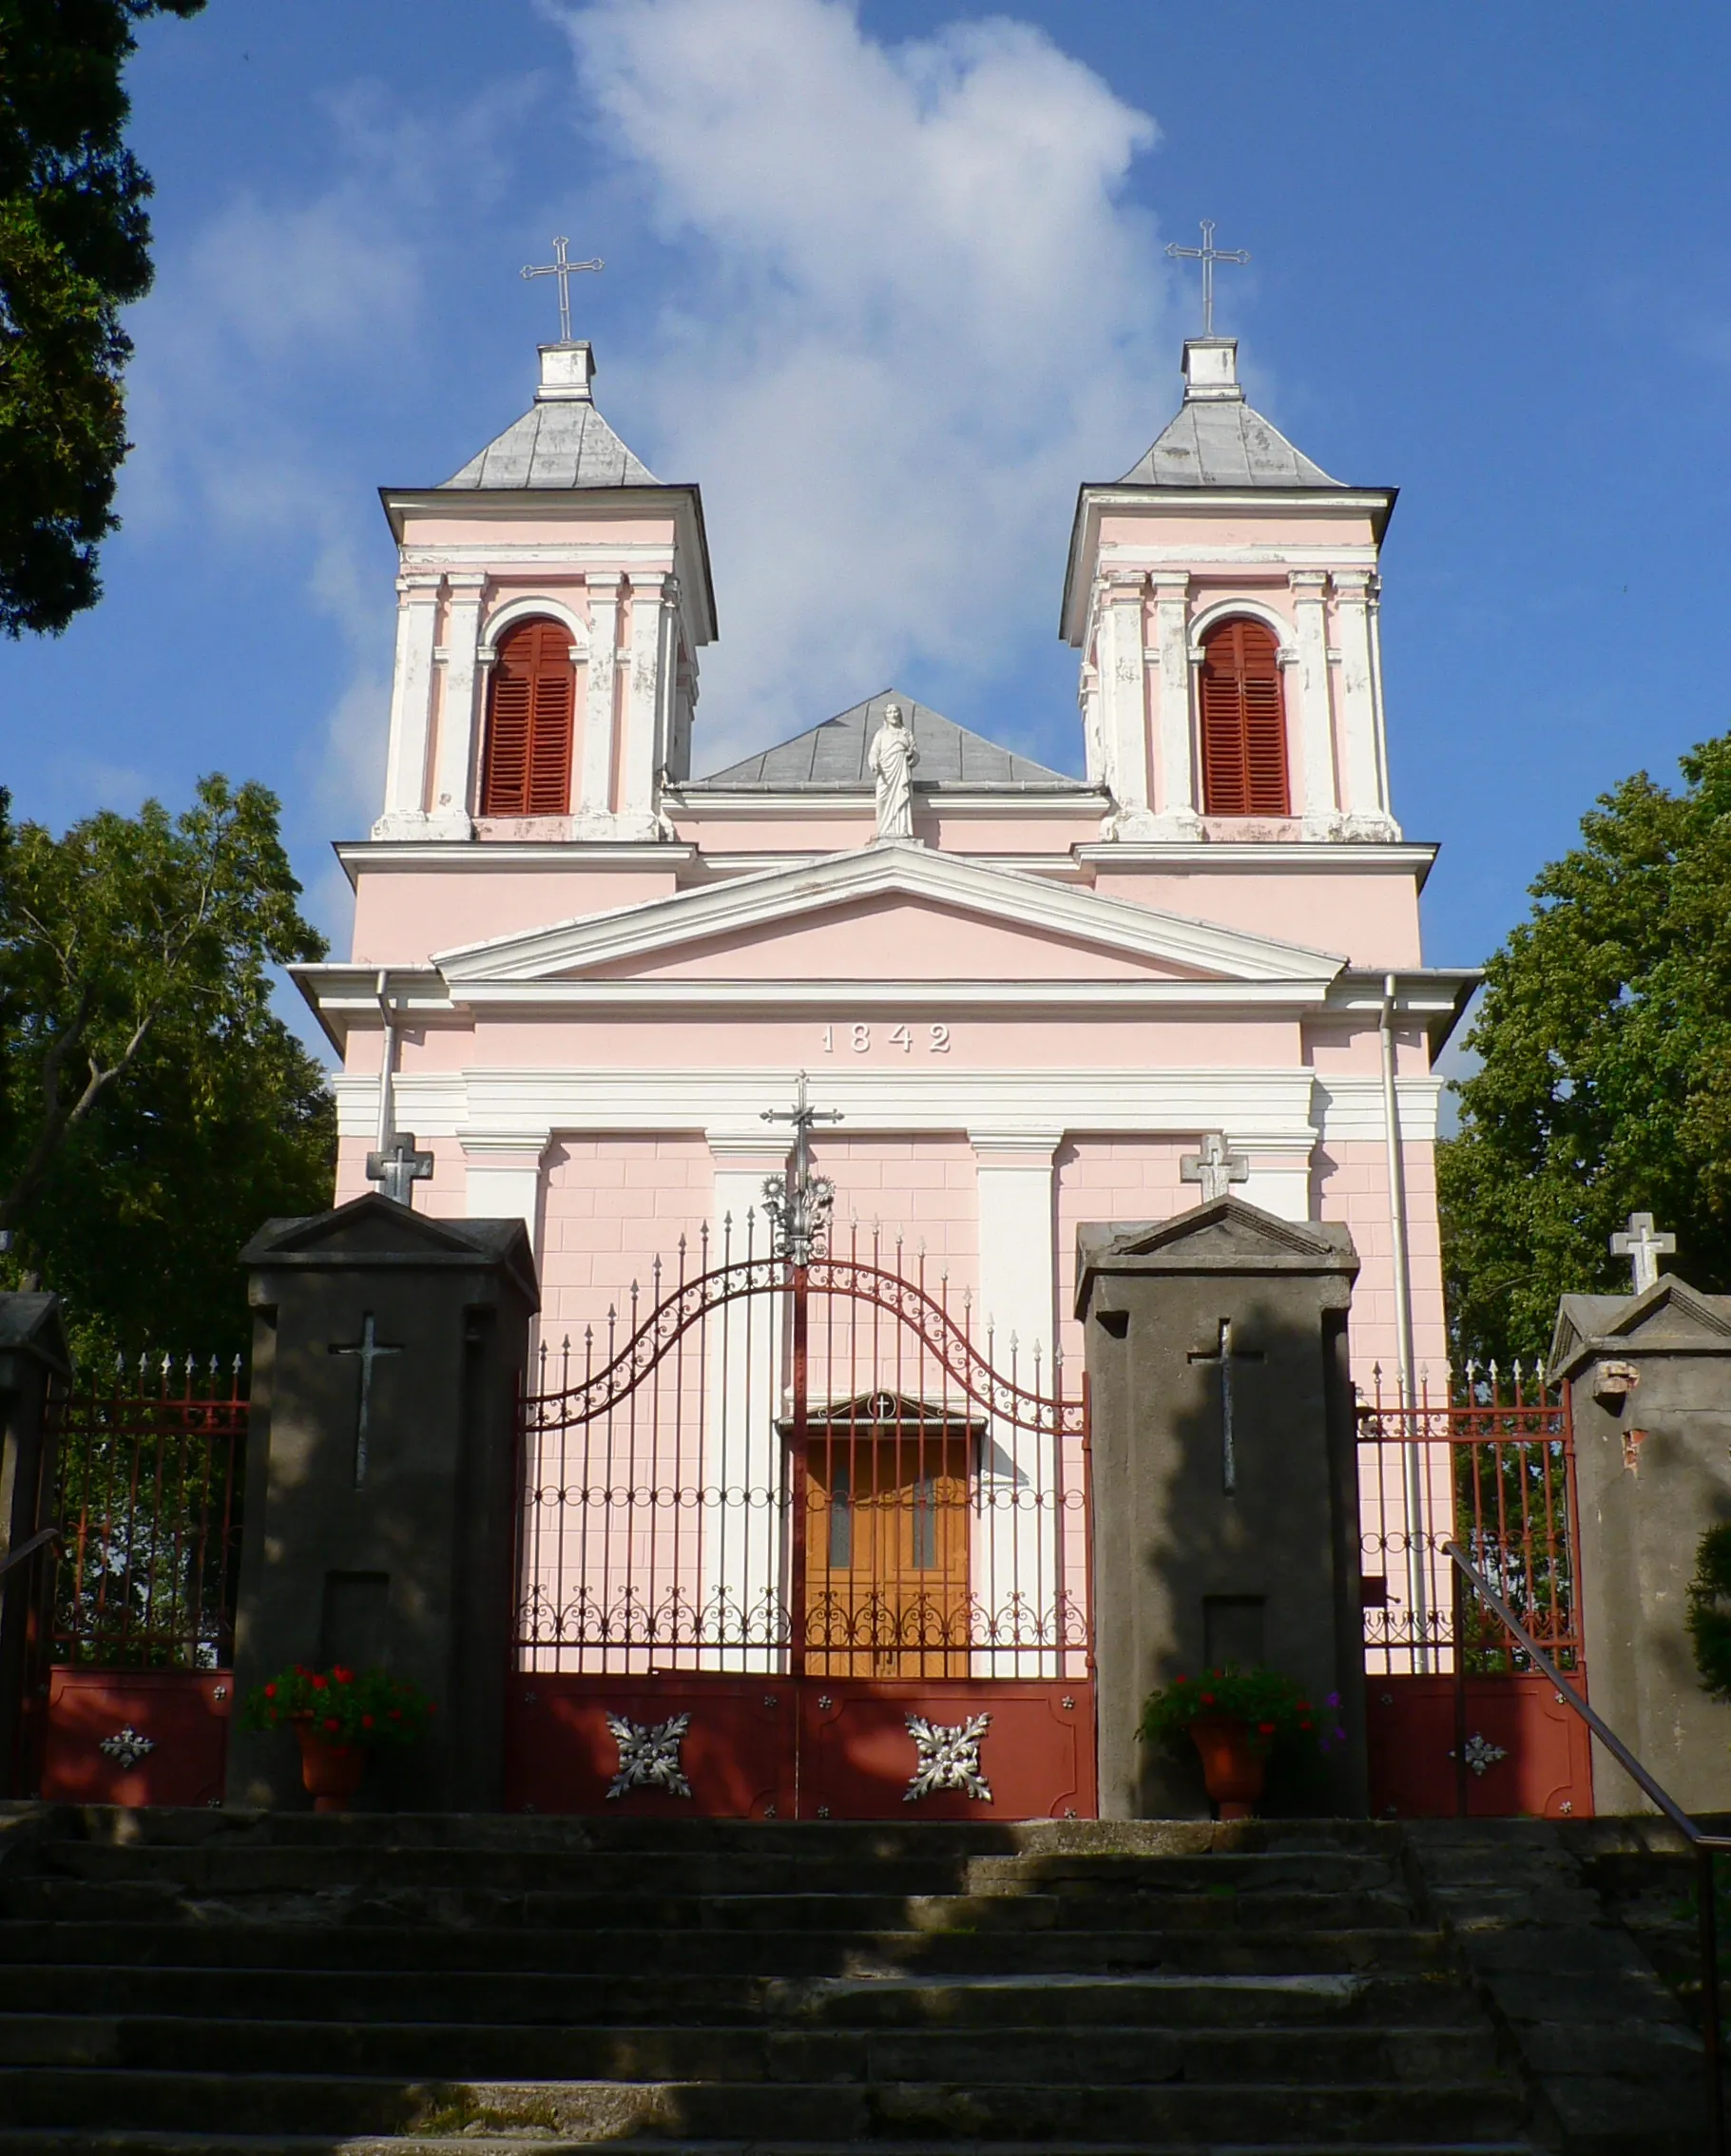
[(860, 1040)]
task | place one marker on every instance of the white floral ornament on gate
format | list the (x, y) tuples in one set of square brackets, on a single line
[(1481, 1753), (649, 1755), (949, 1757), (127, 1748)]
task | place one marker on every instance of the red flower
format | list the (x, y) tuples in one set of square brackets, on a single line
[(1305, 1723), (1265, 1728), (366, 1722), (331, 1722), (1207, 1698), (1303, 1707), (270, 1691), (343, 1676), (318, 1685), (431, 1708), (396, 1714)]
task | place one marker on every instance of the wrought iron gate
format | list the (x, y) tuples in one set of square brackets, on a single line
[(796, 1540), (1457, 1721)]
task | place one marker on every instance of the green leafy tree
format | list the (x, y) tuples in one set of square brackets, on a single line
[(1604, 1085), (74, 249), (154, 1110)]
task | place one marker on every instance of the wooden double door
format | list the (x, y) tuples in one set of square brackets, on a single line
[(889, 1528)]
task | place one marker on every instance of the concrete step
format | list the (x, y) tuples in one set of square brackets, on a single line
[(1092, 2058), (551, 1998), (145, 2142), (1061, 2116), (313, 1942)]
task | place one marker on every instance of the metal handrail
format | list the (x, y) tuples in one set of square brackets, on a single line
[(27, 1548), (1704, 1845)]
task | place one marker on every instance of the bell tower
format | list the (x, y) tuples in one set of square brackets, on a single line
[(553, 597), (1223, 597)]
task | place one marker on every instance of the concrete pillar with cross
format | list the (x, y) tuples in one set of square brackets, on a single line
[(1226, 1481), (381, 1482)]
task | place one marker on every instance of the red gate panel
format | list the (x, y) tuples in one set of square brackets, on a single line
[(136, 1736), (1036, 1752), (1527, 1754), (735, 1752)]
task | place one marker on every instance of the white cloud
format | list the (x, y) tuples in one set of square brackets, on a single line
[(916, 309)]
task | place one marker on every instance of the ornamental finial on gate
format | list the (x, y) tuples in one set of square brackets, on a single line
[(799, 1205)]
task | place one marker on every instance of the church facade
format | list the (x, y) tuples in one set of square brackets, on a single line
[(581, 973)]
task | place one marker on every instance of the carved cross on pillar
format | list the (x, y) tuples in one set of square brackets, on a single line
[(1225, 1355), (1644, 1248), (401, 1169), (369, 1348), (1216, 1167)]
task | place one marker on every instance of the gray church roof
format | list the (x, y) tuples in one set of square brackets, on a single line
[(555, 445), (1224, 444), (833, 757)]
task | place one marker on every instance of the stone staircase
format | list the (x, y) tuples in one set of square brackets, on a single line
[(221, 1982)]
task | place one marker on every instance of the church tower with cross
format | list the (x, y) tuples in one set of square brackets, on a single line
[(586, 962)]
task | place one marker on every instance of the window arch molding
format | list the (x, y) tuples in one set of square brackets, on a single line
[(514, 612), (1224, 611)]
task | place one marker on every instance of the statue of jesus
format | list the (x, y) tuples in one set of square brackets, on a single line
[(891, 760)]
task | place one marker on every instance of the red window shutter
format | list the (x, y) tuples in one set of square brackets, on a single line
[(1243, 722), (531, 709)]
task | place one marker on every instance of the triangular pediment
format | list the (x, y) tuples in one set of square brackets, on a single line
[(373, 1228), (1227, 1230), (777, 901), (1669, 1318)]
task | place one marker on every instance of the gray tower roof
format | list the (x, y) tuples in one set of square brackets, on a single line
[(561, 440), (833, 757), (1216, 440)]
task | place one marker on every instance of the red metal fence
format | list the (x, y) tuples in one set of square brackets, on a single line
[(132, 1629), (1458, 1721)]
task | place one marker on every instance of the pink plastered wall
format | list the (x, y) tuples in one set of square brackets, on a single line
[(610, 1207), (1106, 1180), (1350, 1183), (919, 1190)]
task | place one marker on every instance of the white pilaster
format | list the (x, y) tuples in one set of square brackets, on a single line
[(1123, 674), (1385, 792), (595, 799), (1175, 730), (644, 735), (1366, 803), (1320, 807), (405, 810), (1015, 1555), (453, 779), (743, 1573), (502, 1175)]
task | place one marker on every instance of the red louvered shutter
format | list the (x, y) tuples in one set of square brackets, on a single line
[(1243, 722), (529, 715)]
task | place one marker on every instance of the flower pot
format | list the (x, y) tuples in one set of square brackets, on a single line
[(329, 1772), (1233, 1768)]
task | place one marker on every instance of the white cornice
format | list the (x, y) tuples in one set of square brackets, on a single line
[(564, 856), (1276, 559), (1304, 855), (805, 804), (782, 895)]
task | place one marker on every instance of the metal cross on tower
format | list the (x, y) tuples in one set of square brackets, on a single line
[(369, 1349), (400, 1168), (1216, 1167), (798, 1208), (1207, 254), (1642, 1248), (563, 270)]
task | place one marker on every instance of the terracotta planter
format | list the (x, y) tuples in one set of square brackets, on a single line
[(1232, 1769), (331, 1774)]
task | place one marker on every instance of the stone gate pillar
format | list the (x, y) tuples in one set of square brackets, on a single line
[(381, 1482), (1226, 1479), (32, 1356), (1649, 1390)]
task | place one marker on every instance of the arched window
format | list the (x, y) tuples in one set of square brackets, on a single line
[(530, 701), (1243, 721)]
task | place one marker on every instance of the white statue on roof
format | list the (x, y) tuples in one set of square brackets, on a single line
[(891, 760)]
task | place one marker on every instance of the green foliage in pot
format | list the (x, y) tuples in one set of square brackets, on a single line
[(341, 1707), (1274, 1708)]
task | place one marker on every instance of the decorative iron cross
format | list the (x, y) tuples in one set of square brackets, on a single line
[(1215, 1167), (1225, 1355), (798, 1208), (369, 1348), (1644, 1248), (563, 270), (401, 1169), (1207, 254)]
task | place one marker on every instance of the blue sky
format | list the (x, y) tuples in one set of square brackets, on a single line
[(888, 281)]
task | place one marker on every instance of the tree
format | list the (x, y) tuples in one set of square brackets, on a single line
[(74, 249), (1604, 1087), (153, 1111)]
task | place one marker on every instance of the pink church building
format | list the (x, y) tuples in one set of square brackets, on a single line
[(581, 975)]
